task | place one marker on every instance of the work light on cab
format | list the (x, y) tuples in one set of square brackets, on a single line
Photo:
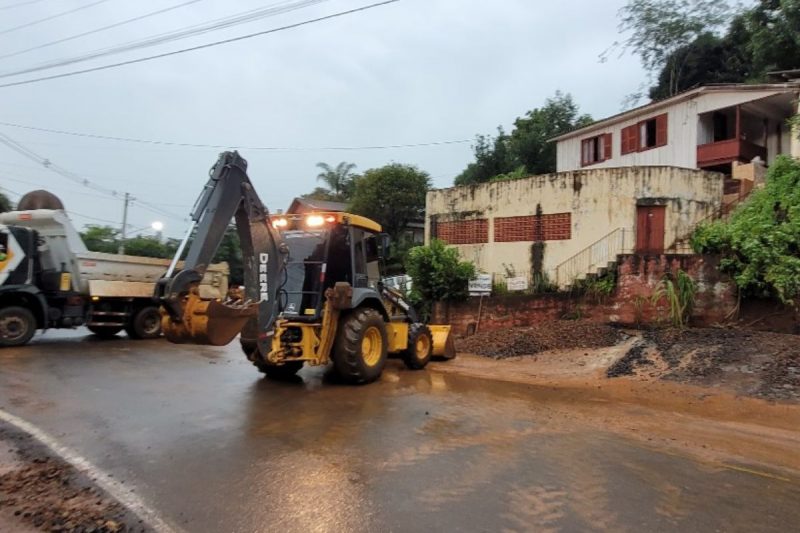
[(314, 221)]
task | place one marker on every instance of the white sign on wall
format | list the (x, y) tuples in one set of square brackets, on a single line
[(481, 285), (517, 284)]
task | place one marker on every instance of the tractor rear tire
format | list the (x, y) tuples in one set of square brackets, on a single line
[(146, 324), (420, 347), (361, 347), (105, 332), (282, 372), (17, 326)]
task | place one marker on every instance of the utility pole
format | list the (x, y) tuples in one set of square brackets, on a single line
[(126, 201)]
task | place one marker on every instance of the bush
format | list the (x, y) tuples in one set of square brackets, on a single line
[(439, 275), (760, 244)]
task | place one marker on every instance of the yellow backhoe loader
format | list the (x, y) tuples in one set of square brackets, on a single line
[(313, 291)]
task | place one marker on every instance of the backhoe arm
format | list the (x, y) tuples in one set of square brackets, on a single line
[(229, 194)]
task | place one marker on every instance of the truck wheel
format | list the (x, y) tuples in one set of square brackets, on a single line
[(105, 332), (17, 326), (420, 347), (146, 324), (360, 352)]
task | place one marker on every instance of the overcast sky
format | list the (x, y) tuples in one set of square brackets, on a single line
[(416, 71)]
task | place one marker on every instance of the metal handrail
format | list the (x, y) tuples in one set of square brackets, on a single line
[(601, 252)]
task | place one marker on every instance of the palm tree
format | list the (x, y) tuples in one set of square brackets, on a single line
[(338, 180)]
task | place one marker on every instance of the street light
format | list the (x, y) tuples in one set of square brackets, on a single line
[(156, 226)]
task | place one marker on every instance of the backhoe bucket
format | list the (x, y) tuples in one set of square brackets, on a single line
[(443, 345), (207, 321)]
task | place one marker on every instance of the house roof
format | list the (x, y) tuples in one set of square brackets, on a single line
[(685, 95), (316, 205)]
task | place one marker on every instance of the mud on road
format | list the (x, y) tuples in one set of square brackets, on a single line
[(753, 363), (41, 492)]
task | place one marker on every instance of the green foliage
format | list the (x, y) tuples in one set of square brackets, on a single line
[(683, 44), (526, 151), (656, 29), (439, 274), (339, 182), (147, 246), (230, 251), (679, 291), (760, 244), (597, 288), (5, 203), (101, 239), (393, 196)]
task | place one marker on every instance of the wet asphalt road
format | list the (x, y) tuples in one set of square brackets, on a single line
[(211, 446)]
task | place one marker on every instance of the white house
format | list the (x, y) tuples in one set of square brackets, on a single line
[(710, 127)]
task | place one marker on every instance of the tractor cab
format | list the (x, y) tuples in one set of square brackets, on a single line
[(325, 249)]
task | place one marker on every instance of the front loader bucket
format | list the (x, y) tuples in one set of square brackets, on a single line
[(443, 345), (207, 322)]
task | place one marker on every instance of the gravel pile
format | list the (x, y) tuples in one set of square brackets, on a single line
[(553, 335)]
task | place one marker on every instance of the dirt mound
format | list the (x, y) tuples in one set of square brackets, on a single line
[(553, 335), (761, 364), (39, 491)]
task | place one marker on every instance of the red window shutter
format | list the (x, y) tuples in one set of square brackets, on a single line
[(630, 139), (583, 153), (661, 130), (607, 146)]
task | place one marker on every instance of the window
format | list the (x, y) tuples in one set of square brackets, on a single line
[(596, 149), (644, 135)]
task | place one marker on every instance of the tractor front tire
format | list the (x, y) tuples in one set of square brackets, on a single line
[(420, 347), (361, 347), (17, 326)]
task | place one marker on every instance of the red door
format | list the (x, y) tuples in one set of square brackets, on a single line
[(650, 229)]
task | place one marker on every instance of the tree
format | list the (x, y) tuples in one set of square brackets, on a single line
[(339, 180), (148, 246), (658, 29), (101, 238), (530, 139), (527, 149), (438, 275), (230, 251), (320, 193), (5, 203), (392, 195), (774, 27)]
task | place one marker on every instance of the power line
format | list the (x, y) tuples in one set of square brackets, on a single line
[(19, 4), (229, 146), (200, 47), (182, 33), (51, 17), (22, 150), (98, 30)]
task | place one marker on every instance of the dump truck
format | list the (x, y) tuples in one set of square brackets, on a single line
[(313, 290), (49, 279)]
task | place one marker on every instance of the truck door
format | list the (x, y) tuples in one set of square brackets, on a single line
[(16, 247)]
